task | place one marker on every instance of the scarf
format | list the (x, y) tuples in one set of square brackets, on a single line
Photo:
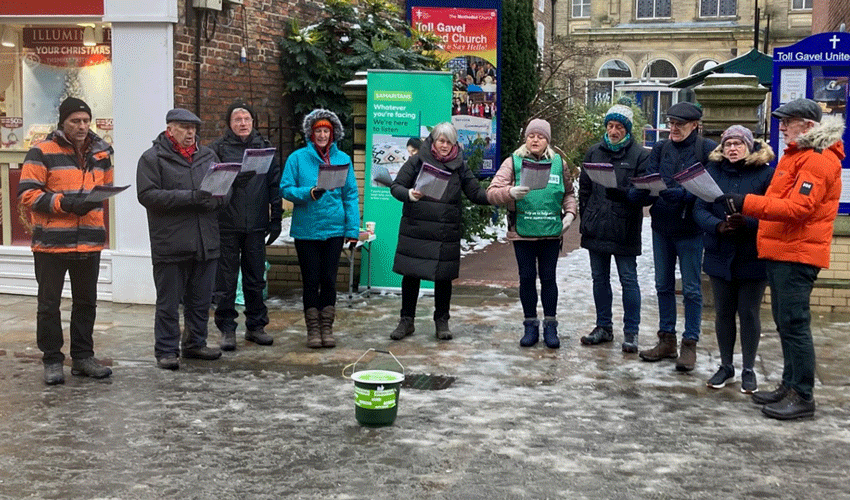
[(324, 155), (449, 157), (184, 152), (619, 145)]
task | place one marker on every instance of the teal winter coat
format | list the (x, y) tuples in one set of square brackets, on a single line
[(334, 214)]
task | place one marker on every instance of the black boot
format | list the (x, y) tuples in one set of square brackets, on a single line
[(550, 334), (405, 327), (532, 332)]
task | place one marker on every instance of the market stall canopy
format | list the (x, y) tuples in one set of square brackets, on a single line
[(753, 62)]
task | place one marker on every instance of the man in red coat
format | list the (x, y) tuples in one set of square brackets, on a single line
[(797, 214)]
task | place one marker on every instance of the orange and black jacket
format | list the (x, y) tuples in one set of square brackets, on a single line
[(53, 169)]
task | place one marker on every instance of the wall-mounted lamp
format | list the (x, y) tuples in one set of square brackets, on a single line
[(8, 39), (88, 37)]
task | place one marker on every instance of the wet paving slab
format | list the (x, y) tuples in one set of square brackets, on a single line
[(278, 422)]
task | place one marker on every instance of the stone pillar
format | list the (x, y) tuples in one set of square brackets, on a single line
[(730, 99)]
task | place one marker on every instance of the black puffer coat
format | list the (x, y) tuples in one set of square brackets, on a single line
[(612, 226), (734, 255), (179, 230), (251, 207), (430, 230)]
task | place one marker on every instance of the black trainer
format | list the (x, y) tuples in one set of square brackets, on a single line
[(725, 375), (54, 373), (206, 352), (228, 341), (748, 381), (259, 337), (790, 407), (89, 367), (766, 398), (598, 335)]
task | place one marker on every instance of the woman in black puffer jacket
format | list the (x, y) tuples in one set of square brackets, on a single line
[(738, 277)]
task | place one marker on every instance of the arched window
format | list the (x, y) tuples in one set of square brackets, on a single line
[(660, 70), (615, 68), (703, 65)]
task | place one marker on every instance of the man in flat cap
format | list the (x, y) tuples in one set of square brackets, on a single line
[(794, 236), (67, 235), (249, 222), (183, 226), (676, 236)]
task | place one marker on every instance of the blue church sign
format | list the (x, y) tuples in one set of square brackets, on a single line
[(817, 67)]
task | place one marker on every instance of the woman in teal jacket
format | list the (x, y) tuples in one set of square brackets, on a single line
[(321, 221)]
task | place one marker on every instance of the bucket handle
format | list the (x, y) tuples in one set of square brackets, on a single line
[(353, 366)]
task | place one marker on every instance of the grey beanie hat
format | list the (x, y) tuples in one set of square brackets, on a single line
[(738, 132)]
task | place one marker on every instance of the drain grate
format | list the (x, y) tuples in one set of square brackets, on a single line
[(426, 382)]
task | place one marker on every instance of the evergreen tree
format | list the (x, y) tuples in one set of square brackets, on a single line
[(519, 71)]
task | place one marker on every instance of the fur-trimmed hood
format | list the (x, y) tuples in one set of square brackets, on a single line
[(830, 131), (319, 114), (762, 154)]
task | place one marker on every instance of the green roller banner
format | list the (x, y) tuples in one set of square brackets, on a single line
[(400, 105)]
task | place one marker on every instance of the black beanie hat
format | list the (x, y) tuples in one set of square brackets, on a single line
[(72, 105), (236, 105)]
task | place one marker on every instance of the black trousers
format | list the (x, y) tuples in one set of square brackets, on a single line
[(189, 281), (50, 272), (319, 262), (245, 251), (741, 298), (410, 295)]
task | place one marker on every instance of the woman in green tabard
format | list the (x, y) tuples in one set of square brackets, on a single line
[(537, 219)]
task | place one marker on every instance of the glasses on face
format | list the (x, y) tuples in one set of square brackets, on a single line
[(785, 122), (732, 144), (243, 120), (676, 124)]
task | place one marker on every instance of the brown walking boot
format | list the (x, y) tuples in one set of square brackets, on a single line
[(314, 337), (687, 355), (665, 348), (326, 328)]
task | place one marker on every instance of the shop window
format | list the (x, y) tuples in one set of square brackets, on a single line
[(653, 9), (801, 5), (717, 8), (581, 8), (45, 65)]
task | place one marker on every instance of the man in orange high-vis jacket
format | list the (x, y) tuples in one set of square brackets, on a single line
[(795, 232), (67, 235)]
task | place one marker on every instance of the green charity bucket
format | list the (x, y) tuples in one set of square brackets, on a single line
[(376, 393)]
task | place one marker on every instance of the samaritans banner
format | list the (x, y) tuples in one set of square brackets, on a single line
[(469, 30), (401, 108)]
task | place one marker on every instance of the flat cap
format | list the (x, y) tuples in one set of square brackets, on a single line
[(182, 115), (799, 108), (684, 111)]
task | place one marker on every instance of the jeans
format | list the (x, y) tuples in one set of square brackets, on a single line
[(248, 252), (742, 298), (535, 257), (50, 272), (319, 262), (603, 297), (410, 295), (190, 282), (688, 251), (790, 290)]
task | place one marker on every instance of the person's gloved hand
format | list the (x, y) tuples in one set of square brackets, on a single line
[(732, 202), (76, 204), (639, 196), (566, 222), (317, 192), (210, 204), (615, 194), (273, 231), (414, 195), (673, 195), (199, 197), (519, 192), (723, 227), (242, 178), (736, 221)]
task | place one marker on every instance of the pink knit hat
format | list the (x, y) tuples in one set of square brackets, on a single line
[(739, 132)]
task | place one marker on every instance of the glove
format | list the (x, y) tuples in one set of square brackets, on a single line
[(615, 194), (317, 192), (199, 197), (566, 221), (209, 204), (242, 178), (732, 202), (638, 196), (273, 231), (413, 194), (736, 221), (723, 227), (519, 192), (75, 204), (673, 195)]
